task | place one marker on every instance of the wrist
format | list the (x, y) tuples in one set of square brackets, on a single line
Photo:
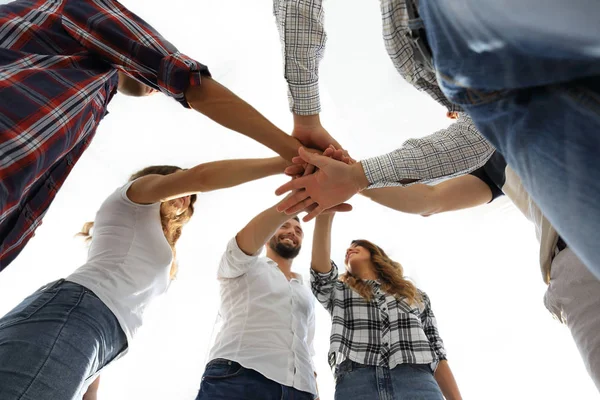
[(307, 120), (359, 177)]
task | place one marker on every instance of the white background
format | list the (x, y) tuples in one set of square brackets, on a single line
[(480, 267)]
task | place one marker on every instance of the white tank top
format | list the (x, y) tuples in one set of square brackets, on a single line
[(129, 259)]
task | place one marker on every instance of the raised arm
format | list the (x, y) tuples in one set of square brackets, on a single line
[(131, 45), (301, 30), (203, 178), (321, 248), (454, 151), (258, 231), (455, 194)]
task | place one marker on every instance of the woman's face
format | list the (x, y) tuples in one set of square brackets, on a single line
[(356, 255)]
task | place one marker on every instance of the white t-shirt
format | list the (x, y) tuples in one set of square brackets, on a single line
[(268, 321), (129, 259)]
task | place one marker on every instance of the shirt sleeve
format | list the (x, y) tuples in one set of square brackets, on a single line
[(431, 330), (323, 285), (235, 262), (454, 151), (310, 340), (128, 43), (302, 33)]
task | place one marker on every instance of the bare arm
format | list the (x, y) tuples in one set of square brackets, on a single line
[(321, 250), (203, 178), (455, 194), (224, 107), (258, 231), (92, 390), (446, 381)]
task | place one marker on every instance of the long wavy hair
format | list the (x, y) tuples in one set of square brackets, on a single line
[(172, 226), (389, 272)]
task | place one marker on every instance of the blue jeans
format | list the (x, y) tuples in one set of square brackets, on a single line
[(354, 381), (226, 380), (528, 73), (53, 341)]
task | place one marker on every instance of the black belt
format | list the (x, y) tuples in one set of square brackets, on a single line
[(561, 245)]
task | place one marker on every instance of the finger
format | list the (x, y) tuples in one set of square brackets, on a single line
[(318, 210), (344, 207), (294, 170), (309, 169), (311, 158), (298, 160), (292, 200), (296, 184), (303, 205)]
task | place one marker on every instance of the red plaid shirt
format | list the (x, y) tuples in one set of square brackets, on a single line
[(58, 64)]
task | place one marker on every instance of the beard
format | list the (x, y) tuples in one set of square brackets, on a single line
[(284, 250)]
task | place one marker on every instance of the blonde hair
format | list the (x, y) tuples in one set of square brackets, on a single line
[(389, 272), (171, 226)]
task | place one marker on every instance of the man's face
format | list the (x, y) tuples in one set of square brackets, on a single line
[(287, 241)]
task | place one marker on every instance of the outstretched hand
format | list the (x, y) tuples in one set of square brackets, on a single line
[(299, 166), (333, 183)]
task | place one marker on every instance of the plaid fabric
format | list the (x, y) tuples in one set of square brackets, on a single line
[(58, 63), (383, 332), (457, 150)]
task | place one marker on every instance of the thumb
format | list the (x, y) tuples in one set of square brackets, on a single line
[(312, 158)]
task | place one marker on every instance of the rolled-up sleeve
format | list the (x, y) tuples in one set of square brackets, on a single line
[(454, 151), (431, 329), (301, 29), (235, 262), (323, 285), (128, 43)]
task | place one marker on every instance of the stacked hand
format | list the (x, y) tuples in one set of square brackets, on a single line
[(337, 178)]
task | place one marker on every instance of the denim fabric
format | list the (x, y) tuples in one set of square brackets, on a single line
[(53, 341), (404, 382), (226, 380), (534, 93)]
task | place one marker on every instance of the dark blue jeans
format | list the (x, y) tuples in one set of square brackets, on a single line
[(355, 381), (53, 341), (528, 73), (227, 380)]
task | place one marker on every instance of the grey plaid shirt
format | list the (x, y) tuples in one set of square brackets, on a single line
[(383, 332), (453, 151)]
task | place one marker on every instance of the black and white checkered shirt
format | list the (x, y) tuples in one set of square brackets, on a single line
[(453, 151), (383, 332)]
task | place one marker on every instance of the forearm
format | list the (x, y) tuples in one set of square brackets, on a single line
[(228, 173), (450, 152), (258, 231), (224, 107), (321, 250), (416, 199), (446, 381), (301, 29)]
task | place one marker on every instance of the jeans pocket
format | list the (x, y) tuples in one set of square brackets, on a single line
[(422, 368), (222, 370), (28, 307)]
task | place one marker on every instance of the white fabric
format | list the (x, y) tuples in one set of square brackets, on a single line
[(129, 259), (574, 297), (268, 321)]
